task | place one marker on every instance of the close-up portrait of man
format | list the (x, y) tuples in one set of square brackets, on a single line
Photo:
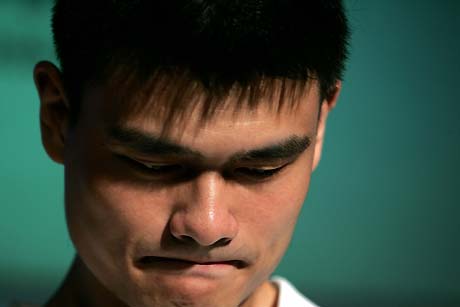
[(211, 153), (188, 131)]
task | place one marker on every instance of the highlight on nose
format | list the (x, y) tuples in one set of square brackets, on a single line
[(203, 228), (204, 216)]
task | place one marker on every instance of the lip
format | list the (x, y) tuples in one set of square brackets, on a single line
[(187, 266)]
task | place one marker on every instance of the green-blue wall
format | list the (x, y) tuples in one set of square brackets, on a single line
[(381, 223)]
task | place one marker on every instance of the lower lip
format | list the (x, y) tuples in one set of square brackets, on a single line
[(175, 266)]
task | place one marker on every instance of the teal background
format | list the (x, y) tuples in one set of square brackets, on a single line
[(381, 223)]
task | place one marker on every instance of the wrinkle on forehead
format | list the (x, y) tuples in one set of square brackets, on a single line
[(172, 98)]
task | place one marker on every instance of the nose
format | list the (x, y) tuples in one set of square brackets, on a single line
[(203, 215)]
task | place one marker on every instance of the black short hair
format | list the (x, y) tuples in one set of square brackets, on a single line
[(217, 45)]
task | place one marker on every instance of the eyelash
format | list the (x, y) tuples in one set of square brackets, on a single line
[(155, 169), (258, 173), (252, 173)]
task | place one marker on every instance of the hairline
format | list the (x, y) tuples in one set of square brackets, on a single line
[(143, 105)]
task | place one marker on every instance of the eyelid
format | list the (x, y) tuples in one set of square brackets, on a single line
[(264, 168), (258, 174), (149, 164), (152, 167), (274, 167), (267, 165)]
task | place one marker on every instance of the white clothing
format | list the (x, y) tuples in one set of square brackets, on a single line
[(289, 296)]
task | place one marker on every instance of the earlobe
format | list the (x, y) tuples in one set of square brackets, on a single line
[(54, 109), (326, 106)]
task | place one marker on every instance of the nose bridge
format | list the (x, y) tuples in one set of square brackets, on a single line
[(205, 215), (205, 192)]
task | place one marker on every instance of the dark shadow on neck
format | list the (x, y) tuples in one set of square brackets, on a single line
[(81, 288)]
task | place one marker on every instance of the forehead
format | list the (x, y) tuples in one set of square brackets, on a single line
[(232, 122)]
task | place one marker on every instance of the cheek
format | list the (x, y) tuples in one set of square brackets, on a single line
[(106, 216), (273, 213), (112, 211)]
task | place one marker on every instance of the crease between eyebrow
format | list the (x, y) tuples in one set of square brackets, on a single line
[(152, 145)]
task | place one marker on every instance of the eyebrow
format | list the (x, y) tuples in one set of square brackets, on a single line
[(148, 144), (285, 149)]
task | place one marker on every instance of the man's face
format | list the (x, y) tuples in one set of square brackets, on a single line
[(199, 216)]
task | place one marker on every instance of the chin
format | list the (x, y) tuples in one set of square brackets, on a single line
[(187, 291), (197, 295)]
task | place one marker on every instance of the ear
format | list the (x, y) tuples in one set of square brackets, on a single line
[(326, 106), (54, 109)]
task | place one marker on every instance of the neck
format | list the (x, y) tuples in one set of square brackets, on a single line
[(81, 289), (265, 296)]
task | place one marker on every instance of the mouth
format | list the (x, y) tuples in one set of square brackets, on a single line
[(177, 264)]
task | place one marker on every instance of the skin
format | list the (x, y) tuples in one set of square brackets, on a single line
[(199, 228)]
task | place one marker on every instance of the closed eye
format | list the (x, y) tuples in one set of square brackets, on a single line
[(257, 173), (160, 167), (176, 171), (155, 168)]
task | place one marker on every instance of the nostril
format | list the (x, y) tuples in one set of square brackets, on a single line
[(185, 239), (203, 224), (190, 240), (222, 242)]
